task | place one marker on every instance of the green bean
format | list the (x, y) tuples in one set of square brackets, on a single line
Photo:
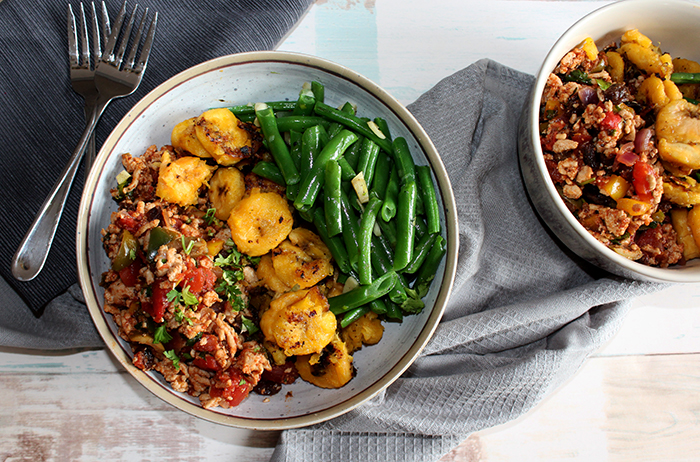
[(378, 306), (685, 77), (361, 295), (383, 127), (351, 230), (270, 171), (405, 225), (335, 244), (391, 195), (352, 155), (429, 268), (319, 90), (369, 217), (312, 141), (421, 227), (277, 106), (335, 126), (420, 253), (276, 143), (311, 185), (388, 229), (292, 191), (368, 159), (393, 311), (382, 170), (404, 161), (352, 122), (346, 169), (382, 263), (295, 147), (353, 315), (331, 198), (305, 102), (430, 204), (299, 123), (248, 118)]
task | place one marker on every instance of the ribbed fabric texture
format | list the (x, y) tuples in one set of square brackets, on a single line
[(524, 314), (42, 118)]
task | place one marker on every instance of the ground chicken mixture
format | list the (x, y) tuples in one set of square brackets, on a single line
[(212, 282), (621, 142)]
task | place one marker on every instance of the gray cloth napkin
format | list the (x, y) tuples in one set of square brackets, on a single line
[(524, 315), (42, 118)]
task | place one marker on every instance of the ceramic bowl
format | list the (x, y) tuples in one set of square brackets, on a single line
[(675, 25), (241, 79)]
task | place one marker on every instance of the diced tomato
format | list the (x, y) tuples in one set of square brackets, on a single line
[(581, 137), (207, 363), (128, 222), (611, 121), (199, 280), (553, 130), (130, 274), (159, 302), (283, 373), (208, 343), (643, 179), (237, 387)]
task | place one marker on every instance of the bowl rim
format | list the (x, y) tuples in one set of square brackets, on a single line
[(431, 323), (571, 35)]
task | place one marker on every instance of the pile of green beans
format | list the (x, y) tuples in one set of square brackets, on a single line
[(371, 205)]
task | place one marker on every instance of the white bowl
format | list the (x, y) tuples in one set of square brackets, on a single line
[(675, 25), (240, 79)]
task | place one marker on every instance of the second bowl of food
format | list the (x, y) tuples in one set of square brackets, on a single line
[(610, 140), (267, 240)]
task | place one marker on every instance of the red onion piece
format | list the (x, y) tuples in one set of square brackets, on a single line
[(588, 95), (642, 142), (626, 156)]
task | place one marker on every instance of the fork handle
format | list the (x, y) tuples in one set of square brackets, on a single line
[(31, 254)]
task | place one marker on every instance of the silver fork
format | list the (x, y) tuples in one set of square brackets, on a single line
[(114, 78), (82, 66)]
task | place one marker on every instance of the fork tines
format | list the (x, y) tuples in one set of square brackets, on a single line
[(100, 32), (116, 59)]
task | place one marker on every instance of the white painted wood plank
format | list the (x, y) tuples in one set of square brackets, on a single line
[(615, 409), (61, 411)]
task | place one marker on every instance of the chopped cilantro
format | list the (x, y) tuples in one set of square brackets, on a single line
[(188, 297), (180, 316), (249, 326), (174, 296), (233, 259), (603, 84), (242, 382), (161, 335), (177, 297), (171, 355)]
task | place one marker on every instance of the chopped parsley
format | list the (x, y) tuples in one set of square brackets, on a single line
[(249, 326), (180, 316), (161, 335), (233, 259), (185, 296), (171, 355), (232, 273)]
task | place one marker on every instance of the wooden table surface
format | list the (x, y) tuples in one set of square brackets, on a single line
[(638, 398)]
